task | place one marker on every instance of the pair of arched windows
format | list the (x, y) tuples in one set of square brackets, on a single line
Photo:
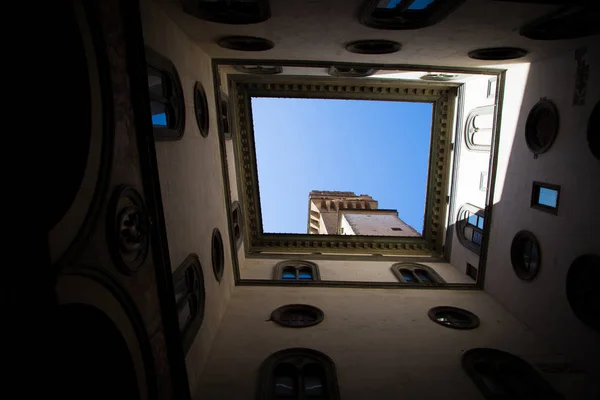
[(303, 271), (298, 373)]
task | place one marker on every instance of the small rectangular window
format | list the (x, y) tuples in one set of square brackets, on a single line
[(471, 271), (397, 229), (545, 196)]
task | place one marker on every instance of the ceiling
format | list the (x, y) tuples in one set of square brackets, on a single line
[(318, 30)]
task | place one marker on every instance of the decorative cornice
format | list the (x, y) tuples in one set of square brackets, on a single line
[(244, 87)]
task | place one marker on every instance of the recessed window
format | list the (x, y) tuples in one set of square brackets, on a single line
[(166, 97), (298, 373), (439, 77), (372, 46), (218, 254), (246, 43), (502, 376), (417, 274), (583, 291), (259, 69), (470, 222), (541, 127), (351, 72), (491, 88), (406, 14), (297, 271), (397, 229), (188, 282), (479, 129), (225, 116), (453, 317), (236, 223), (544, 197), (525, 255), (236, 12), (297, 315), (593, 131), (472, 271), (483, 181), (568, 22), (498, 53), (201, 109)]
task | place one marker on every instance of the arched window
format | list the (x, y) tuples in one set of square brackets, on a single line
[(225, 116), (236, 223), (479, 129), (298, 373), (188, 281), (303, 271), (469, 227), (501, 375), (417, 274), (166, 97), (405, 14)]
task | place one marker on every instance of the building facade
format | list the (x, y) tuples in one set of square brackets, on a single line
[(155, 280), (345, 213)]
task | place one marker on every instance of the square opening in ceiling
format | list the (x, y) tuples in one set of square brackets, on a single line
[(280, 145), (361, 164)]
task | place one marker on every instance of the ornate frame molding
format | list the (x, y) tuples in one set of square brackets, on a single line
[(244, 87)]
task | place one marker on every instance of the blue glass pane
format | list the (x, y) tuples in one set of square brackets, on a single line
[(420, 4), (407, 275), (480, 223), (422, 275), (472, 219), (305, 275), (388, 3), (159, 119), (477, 238), (288, 275), (548, 197)]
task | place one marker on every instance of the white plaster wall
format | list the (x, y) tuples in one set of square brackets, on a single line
[(380, 224), (191, 179), (471, 165), (350, 271), (542, 303), (382, 342)]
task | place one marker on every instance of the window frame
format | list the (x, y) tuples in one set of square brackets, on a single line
[(191, 328), (470, 130), (298, 265), (404, 18), (517, 256), (462, 223), (236, 207), (298, 358), (535, 194), (492, 359), (225, 104), (278, 314), (217, 254), (435, 278), (175, 100)]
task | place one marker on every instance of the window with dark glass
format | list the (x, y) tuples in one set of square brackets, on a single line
[(236, 222), (417, 274), (470, 223), (471, 271), (406, 14), (544, 197), (304, 271), (224, 115), (298, 374), (502, 376), (166, 97), (188, 282), (525, 255)]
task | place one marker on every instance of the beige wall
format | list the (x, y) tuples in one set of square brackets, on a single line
[(349, 271), (382, 342), (191, 179), (542, 303), (376, 224)]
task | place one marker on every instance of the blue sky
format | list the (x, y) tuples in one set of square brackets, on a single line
[(377, 148)]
